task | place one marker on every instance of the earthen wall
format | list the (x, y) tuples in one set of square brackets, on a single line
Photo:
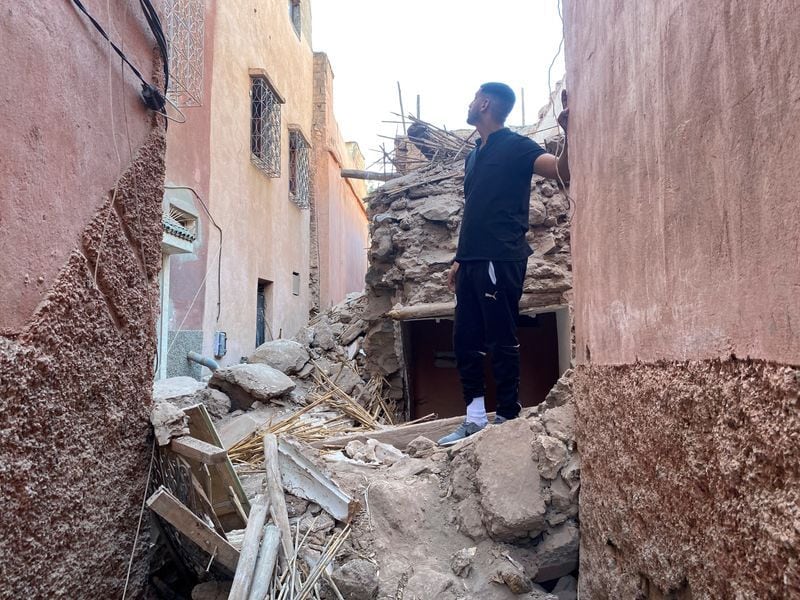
[(81, 185), (685, 246)]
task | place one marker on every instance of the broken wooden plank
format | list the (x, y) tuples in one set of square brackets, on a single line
[(401, 435), (267, 557), (275, 491), (194, 449), (303, 478), (169, 508), (248, 555), (205, 503), (222, 475)]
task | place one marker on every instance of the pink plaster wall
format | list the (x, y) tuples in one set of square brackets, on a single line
[(79, 291), (341, 219), (71, 120), (685, 124), (188, 157)]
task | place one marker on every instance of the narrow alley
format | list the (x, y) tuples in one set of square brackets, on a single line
[(301, 302)]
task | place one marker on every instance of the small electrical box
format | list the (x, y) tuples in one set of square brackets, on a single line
[(220, 344)]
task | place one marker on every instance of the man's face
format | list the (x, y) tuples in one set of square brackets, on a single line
[(474, 110)]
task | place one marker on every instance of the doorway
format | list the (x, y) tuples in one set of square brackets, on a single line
[(432, 377)]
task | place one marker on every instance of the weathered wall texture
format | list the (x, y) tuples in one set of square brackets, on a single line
[(685, 249), (340, 219), (76, 357)]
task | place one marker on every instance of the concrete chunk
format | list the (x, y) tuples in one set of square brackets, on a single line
[(246, 383), (287, 356)]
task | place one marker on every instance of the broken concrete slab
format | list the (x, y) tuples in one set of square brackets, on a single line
[(177, 390), (216, 402), (510, 494), (557, 553), (566, 588), (168, 422), (551, 454), (287, 356), (302, 478), (559, 422), (243, 426), (461, 561), (440, 208), (357, 580), (246, 383)]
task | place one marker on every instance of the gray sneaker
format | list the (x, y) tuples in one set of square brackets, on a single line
[(498, 420), (464, 430)]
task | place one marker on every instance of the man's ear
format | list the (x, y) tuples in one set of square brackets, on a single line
[(485, 103)]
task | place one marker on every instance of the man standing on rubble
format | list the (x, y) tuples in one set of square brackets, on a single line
[(488, 271)]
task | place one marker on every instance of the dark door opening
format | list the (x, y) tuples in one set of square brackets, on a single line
[(433, 381), (262, 311)]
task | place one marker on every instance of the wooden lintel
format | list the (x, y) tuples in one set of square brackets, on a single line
[(529, 304)]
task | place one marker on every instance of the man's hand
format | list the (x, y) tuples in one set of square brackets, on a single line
[(451, 277)]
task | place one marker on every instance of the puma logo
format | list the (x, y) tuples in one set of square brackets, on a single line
[(492, 296)]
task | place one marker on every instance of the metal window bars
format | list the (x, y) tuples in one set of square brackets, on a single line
[(299, 170), (185, 38), (265, 128)]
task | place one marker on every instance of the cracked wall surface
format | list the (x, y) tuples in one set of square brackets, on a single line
[(80, 205), (686, 276)]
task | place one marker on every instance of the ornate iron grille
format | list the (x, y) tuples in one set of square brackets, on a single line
[(265, 128), (299, 170), (185, 39)]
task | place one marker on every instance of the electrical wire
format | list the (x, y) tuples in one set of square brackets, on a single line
[(151, 96)]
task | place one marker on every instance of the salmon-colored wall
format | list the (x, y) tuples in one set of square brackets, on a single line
[(188, 164), (81, 185), (266, 236), (685, 124), (684, 129), (342, 227), (71, 119)]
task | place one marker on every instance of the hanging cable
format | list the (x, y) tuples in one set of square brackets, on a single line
[(153, 98)]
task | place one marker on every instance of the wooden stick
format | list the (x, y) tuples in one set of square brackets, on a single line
[(275, 491), (169, 508), (402, 112), (198, 450), (248, 555), (267, 557)]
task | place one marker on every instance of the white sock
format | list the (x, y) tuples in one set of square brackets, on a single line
[(476, 412)]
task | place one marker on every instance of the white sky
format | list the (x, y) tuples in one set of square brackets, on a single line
[(440, 49)]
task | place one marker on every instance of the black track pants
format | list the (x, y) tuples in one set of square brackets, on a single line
[(487, 309)]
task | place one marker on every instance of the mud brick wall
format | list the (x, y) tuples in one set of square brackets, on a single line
[(81, 186), (686, 284)]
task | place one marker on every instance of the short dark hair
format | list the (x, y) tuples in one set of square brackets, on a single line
[(502, 97)]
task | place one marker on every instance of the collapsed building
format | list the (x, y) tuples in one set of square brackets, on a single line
[(414, 224)]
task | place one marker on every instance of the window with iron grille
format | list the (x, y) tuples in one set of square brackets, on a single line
[(265, 127), (294, 15), (185, 32), (299, 170)]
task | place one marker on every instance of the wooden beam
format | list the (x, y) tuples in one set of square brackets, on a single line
[(194, 449), (169, 508), (303, 479), (221, 476), (248, 555), (275, 491), (267, 557), (528, 304), (400, 436), (368, 175)]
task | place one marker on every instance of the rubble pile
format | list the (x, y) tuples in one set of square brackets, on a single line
[(384, 515), (494, 517), (414, 225)]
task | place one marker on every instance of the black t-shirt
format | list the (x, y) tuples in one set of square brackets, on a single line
[(497, 190)]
